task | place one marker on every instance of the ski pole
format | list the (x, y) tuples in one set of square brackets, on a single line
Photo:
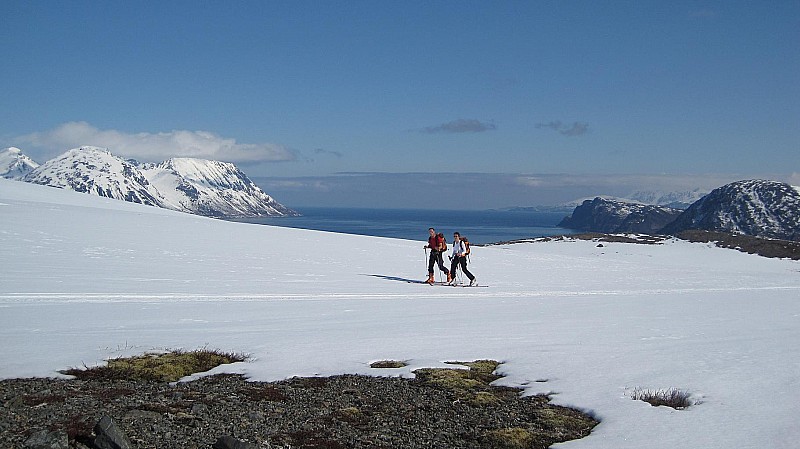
[(439, 265)]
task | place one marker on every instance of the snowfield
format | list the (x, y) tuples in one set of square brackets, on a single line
[(85, 278)]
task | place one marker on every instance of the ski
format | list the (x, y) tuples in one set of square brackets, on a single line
[(444, 284)]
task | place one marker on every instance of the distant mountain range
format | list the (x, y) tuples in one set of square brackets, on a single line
[(752, 207), (197, 186), (671, 200)]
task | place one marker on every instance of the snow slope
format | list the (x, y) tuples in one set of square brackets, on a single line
[(85, 278)]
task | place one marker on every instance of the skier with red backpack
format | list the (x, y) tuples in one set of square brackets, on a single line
[(437, 245)]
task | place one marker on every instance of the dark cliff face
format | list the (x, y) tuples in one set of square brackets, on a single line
[(608, 216), (753, 207)]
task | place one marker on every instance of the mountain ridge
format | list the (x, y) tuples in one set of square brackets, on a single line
[(197, 186), (212, 188), (14, 164), (96, 171), (754, 207)]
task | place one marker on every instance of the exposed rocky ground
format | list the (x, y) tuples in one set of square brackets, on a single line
[(227, 411), (745, 243)]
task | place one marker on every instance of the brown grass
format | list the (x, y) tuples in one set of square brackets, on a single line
[(166, 367)]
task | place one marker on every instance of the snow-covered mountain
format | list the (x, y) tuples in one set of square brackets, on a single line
[(610, 216), (753, 207), (209, 188), (673, 200), (14, 164), (96, 171), (677, 200)]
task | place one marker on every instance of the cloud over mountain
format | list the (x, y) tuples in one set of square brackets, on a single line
[(156, 146)]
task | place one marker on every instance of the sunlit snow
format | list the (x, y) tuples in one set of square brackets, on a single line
[(85, 278)]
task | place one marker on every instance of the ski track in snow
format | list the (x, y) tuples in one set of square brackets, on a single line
[(126, 297)]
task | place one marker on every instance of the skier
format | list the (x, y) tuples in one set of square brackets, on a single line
[(437, 245), (459, 257)]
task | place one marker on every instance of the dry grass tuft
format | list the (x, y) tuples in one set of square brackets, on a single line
[(388, 364), (672, 397), (167, 367)]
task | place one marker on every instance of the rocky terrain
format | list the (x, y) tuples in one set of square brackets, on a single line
[(226, 411), (765, 247)]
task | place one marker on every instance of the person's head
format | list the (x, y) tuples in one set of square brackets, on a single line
[(431, 231), (456, 236)]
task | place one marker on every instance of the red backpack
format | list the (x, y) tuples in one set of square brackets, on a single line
[(441, 243)]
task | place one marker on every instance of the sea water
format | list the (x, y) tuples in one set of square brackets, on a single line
[(478, 226)]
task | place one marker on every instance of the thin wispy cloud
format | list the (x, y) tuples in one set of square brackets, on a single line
[(328, 152), (460, 126), (619, 184), (155, 146), (576, 129)]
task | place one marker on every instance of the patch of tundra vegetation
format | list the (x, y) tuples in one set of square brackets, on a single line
[(138, 398), (159, 367)]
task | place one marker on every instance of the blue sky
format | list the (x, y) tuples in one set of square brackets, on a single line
[(304, 91)]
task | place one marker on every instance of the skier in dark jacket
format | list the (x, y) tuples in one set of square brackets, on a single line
[(437, 245)]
